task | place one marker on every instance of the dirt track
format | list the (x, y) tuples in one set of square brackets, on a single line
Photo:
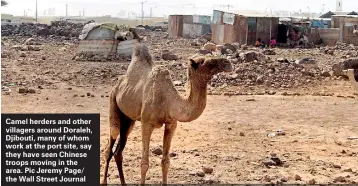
[(316, 135), (316, 127)]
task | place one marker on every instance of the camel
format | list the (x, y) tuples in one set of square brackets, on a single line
[(146, 93)]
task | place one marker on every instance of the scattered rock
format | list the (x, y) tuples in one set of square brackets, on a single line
[(284, 179), (298, 177), (157, 151), (269, 52), (242, 134), (208, 170), (325, 74), (167, 55), (31, 91), (22, 54), (22, 90), (210, 46), (340, 179), (200, 174), (312, 182)]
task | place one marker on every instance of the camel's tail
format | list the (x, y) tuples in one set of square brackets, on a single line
[(141, 52)]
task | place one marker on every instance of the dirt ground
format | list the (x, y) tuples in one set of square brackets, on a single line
[(230, 136)]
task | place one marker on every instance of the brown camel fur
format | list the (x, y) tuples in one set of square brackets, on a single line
[(146, 94)]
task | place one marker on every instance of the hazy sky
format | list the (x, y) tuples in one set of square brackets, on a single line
[(161, 7)]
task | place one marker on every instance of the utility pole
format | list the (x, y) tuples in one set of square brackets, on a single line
[(143, 10), (36, 11), (66, 10)]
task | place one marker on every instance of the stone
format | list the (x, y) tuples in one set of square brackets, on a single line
[(157, 151), (312, 182), (325, 74), (269, 52), (167, 55), (29, 41), (267, 178), (43, 57), (336, 166), (22, 54), (207, 170), (282, 60), (340, 179), (31, 91), (284, 179), (204, 52), (22, 90), (242, 134), (88, 94), (210, 46), (298, 177), (200, 174), (259, 79), (36, 48)]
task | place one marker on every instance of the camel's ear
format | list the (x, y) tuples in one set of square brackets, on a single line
[(194, 64)]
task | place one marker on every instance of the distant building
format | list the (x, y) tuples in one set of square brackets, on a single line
[(329, 14), (188, 26), (243, 27)]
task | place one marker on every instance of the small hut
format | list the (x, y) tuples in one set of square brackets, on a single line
[(188, 26), (235, 26), (106, 41)]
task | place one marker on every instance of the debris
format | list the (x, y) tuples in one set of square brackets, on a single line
[(157, 151), (207, 170), (22, 90), (210, 46), (340, 179), (200, 174), (353, 138), (312, 182), (167, 55)]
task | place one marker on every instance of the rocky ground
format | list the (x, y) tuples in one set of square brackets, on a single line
[(239, 138)]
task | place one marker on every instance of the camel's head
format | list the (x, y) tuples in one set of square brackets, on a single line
[(208, 67)]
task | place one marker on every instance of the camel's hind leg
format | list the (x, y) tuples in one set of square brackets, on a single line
[(115, 121), (113, 134), (126, 127)]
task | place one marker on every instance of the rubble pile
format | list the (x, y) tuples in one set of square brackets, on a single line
[(57, 30)]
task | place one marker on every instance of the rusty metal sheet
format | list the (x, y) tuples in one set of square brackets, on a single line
[(229, 18), (188, 19), (100, 34), (104, 47), (216, 17), (125, 48), (175, 26), (192, 30)]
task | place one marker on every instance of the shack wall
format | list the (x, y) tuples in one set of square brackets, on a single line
[(175, 26), (329, 36)]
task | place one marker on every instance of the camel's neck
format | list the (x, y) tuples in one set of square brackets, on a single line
[(191, 107)]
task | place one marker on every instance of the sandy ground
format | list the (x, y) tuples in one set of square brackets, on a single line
[(315, 142)]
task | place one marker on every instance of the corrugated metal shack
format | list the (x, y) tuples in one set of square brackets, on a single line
[(188, 26), (230, 27), (106, 40), (346, 25)]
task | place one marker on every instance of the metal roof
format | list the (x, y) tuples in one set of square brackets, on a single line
[(248, 13)]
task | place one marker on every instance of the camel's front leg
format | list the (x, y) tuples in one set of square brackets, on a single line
[(168, 135), (147, 130)]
